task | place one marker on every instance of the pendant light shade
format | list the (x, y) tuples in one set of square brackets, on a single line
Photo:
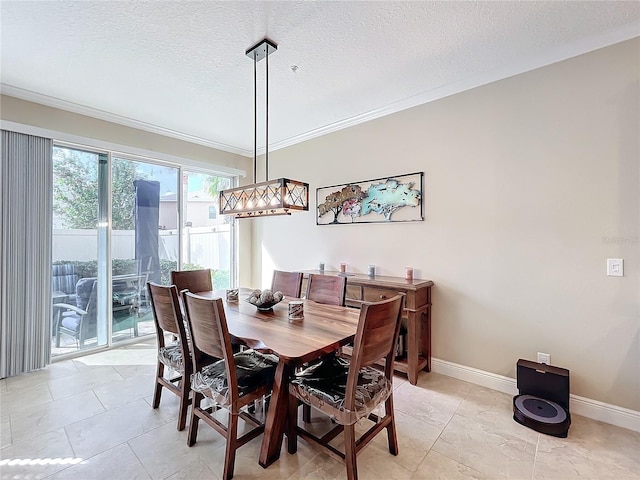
[(272, 197)]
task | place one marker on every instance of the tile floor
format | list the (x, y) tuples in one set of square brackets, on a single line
[(91, 419)]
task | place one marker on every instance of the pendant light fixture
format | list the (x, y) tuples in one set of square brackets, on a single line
[(272, 197)]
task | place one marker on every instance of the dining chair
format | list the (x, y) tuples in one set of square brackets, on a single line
[(192, 280), (233, 382), (326, 289), (348, 390), (175, 355), (289, 283)]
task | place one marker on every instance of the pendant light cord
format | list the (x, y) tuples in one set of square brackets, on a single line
[(266, 124)]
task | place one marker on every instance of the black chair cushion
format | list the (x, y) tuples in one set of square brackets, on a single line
[(323, 385), (253, 369)]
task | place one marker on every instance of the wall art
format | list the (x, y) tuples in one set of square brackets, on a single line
[(382, 200)]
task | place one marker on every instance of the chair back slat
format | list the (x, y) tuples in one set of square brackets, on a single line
[(327, 289), (289, 283), (192, 280), (165, 307), (208, 327), (376, 337)]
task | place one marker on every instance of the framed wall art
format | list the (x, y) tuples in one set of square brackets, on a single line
[(382, 200)]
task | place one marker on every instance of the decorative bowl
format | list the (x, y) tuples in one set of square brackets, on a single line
[(264, 300), (265, 307)]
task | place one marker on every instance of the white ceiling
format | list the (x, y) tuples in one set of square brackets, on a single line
[(179, 68)]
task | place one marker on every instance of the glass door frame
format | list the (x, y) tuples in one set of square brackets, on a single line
[(103, 250)]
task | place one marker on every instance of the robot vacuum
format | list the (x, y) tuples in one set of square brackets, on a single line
[(543, 400)]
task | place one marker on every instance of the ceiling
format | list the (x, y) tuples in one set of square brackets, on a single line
[(179, 68)]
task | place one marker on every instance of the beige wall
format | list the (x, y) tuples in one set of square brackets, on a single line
[(531, 183), (29, 113)]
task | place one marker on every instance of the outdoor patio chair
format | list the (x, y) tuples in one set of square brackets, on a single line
[(63, 281), (80, 320)]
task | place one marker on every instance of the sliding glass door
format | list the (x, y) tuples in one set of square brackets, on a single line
[(120, 221)]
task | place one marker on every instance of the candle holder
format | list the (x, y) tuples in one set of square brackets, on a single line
[(408, 273)]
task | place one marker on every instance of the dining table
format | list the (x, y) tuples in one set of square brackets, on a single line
[(324, 329)]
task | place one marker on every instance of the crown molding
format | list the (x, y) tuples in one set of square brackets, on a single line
[(67, 138), (586, 45), (72, 107)]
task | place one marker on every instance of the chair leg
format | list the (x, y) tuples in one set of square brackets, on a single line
[(350, 452), (391, 428), (193, 424), (158, 390), (292, 425), (57, 329), (232, 446), (185, 388), (306, 413)]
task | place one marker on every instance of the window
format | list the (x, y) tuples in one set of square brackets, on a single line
[(206, 238)]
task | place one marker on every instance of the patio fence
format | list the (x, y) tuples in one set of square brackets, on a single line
[(205, 246)]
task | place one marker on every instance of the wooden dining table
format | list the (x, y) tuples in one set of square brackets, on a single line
[(324, 329)]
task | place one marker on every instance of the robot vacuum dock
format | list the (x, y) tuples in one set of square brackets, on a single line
[(543, 400)]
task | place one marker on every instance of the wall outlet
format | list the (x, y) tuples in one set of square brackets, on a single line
[(544, 358)]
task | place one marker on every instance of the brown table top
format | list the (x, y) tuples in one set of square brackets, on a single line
[(324, 329)]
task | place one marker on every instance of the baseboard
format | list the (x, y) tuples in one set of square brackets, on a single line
[(603, 412)]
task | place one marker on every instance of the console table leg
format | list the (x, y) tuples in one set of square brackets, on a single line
[(426, 337), (413, 351)]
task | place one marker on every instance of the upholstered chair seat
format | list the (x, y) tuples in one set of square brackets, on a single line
[(253, 370), (171, 356), (323, 385)]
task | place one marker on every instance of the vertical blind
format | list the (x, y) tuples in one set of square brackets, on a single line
[(26, 175)]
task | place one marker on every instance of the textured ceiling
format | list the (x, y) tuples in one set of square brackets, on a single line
[(179, 66)]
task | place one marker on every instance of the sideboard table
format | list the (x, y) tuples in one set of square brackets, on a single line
[(417, 312)]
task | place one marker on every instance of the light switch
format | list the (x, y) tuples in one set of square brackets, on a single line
[(615, 267)]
